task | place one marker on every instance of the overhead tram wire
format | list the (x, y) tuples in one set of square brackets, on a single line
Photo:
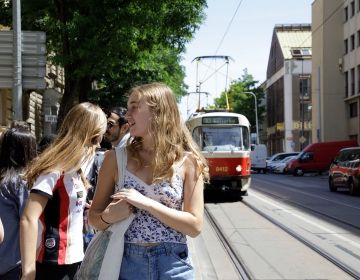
[(199, 83), (322, 24), (224, 35)]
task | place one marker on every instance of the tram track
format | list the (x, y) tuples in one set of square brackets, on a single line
[(333, 259), (240, 268), (308, 209)]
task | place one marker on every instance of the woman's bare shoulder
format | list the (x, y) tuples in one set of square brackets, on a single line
[(109, 158)]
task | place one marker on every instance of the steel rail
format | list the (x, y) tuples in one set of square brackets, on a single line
[(240, 268), (309, 244)]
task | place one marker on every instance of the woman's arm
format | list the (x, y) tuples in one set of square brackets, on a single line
[(105, 211), (189, 221), (1, 232), (29, 232)]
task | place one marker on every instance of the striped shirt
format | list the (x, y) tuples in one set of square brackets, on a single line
[(61, 223)]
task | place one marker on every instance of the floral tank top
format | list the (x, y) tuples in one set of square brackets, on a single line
[(145, 228)]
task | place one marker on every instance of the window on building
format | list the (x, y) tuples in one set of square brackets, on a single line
[(305, 111), (306, 52), (352, 42), (353, 137), (346, 46), (352, 5), (346, 83), (353, 109), (352, 80), (358, 78), (346, 14), (304, 88)]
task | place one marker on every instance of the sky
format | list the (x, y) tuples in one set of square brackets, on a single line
[(241, 29)]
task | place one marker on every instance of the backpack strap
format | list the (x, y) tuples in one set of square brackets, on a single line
[(121, 160)]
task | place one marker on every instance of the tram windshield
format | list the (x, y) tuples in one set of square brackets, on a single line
[(222, 138)]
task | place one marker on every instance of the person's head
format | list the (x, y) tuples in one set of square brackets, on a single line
[(45, 142), (154, 118), (117, 125), (79, 135), (18, 148), (20, 125)]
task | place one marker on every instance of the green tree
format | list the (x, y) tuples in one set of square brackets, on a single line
[(243, 103), (113, 43)]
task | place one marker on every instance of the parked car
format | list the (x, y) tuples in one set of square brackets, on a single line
[(281, 166), (258, 157), (317, 157), (277, 157), (344, 171)]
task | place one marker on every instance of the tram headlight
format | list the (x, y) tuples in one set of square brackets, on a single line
[(238, 168)]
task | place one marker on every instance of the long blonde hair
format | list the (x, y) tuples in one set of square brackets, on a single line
[(170, 135), (80, 132)]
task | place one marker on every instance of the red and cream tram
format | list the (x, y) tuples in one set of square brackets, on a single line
[(224, 139)]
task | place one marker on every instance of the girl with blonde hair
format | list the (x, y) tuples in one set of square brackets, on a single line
[(57, 197), (164, 178)]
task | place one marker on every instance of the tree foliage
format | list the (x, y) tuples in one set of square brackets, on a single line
[(241, 102), (115, 43)]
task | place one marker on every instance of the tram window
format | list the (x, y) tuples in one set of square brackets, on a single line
[(245, 137), (222, 139), (197, 136)]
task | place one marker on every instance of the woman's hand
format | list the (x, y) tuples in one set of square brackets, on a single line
[(134, 198), (117, 210)]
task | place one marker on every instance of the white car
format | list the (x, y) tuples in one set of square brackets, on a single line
[(277, 157), (279, 167)]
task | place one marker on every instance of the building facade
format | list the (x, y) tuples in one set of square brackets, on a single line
[(336, 70), (288, 89)]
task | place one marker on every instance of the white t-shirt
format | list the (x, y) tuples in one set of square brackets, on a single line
[(61, 223)]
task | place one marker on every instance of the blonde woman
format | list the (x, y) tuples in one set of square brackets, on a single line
[(164, 180), (57, 197)]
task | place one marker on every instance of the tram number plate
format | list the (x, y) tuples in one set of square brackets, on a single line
[(221, 169)]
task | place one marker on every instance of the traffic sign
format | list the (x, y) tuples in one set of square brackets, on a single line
[(33, 59), (27, 83), (51, 118), (27, 60), (7, 71)]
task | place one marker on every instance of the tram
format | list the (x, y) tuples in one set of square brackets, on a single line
[(224, 139)]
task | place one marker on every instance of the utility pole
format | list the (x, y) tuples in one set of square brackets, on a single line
[(17, 78), (256, 115)]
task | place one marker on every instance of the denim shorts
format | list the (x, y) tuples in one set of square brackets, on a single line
[(163, 261)]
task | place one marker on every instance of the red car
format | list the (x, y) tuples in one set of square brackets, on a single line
[(345, 171)]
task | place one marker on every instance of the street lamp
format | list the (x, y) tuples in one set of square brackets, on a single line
[(256, 115)]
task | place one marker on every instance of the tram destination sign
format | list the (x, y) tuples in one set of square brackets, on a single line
[(220, 120)]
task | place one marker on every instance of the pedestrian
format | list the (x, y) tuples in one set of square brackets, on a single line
[(117, 127), (57, 197), (164, 179), (17, 150), (117, 134), (45, 142)]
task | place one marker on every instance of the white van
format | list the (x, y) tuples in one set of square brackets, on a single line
[(258, 157)]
